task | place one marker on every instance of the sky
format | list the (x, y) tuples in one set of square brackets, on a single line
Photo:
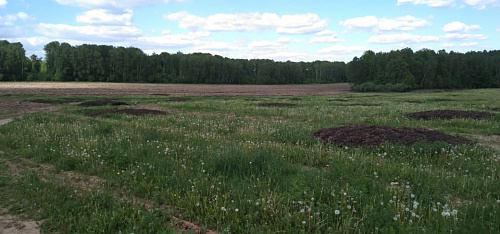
[(282, 30)]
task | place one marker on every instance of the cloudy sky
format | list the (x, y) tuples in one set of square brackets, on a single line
[(296, 30)]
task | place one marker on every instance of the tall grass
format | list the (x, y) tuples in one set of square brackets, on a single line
[(234, 166)]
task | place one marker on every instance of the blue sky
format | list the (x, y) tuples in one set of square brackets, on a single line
[(295, 30)]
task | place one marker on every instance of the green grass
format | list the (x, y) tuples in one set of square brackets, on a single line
[(233, 166)]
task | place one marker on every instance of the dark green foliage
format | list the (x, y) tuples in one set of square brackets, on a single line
[(402, 70)]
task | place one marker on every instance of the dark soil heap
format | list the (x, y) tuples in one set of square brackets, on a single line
[(277, 104), (449, 114), (362, 135), (105, 102), (136, 112)]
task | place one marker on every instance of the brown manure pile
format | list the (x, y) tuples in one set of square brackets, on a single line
[(277, 104), (135, 112), (363, 135), (105, 102), (450, 114)]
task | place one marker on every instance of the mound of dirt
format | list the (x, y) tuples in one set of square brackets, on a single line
[(442, 100), (136, 112), (178, 99), (105, 102), (450, 114), (359, 104), (277, 104), (363, 135), (338, 100), (46, 101)]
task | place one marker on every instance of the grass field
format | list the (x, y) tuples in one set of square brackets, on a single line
[(226, 164)]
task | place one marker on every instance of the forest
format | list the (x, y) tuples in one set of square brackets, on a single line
[(397, 70)]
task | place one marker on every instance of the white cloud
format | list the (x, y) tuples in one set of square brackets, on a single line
[(469, 44), (186, 20), (481, 4), (448, 45), (459, 27), (91, 33), (367, 22), (478, 4), (251, 22), (430, 3), (404, 38), (103, 16), (111, 3), (340, 49), (465, 36), (3, 3), (406, 23), (8, 27), (372, 23), (301, 24), (325, 39), (174, 41)]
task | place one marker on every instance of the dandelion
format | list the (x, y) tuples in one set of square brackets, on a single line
[(395, 218), (412, 195), (223, 208), (337, 212), (197, 204), (236, 210), (302, 210), (304, 222), (118, 173), (349, 207)]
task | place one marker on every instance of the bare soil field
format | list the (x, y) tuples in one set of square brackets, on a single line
[(102, 89)]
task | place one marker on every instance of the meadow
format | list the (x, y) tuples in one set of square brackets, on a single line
[(225, 164)]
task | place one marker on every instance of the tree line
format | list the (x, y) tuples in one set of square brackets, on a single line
[(424, 69), (398, 70), (102, 63)]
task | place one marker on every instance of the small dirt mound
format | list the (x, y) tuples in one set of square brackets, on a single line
[(277, 104), (442, 100), (46, 101), (338, 100), (360, 104), (362, 135), (449, 114), (136, 112), (103, 103), (179, 99)]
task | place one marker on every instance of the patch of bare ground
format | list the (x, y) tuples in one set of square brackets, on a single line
[(363, 135), (415, 102), (495, 109), (16, 107), (88, 183), (135, 112), (492, 141), (111, 89), (13, 224), (278, 104), (105, 102), (450, 114)]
